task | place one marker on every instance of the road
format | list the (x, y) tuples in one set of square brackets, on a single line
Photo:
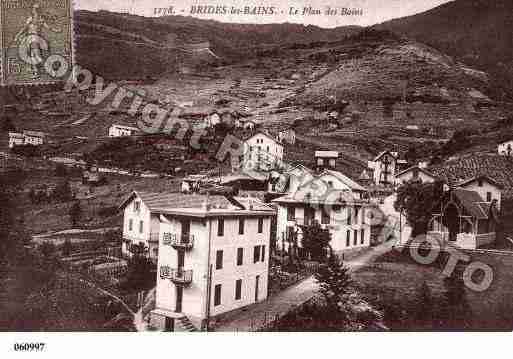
[(255, 316)]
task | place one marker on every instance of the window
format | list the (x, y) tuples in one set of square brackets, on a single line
[(415, 173), (325, 218), (291, 213), (217, 295), (488, 196), (260, 225), (480, 183), (220, 227), (356, 210), (256, 254), (137, 206), (141, 224), (348, 238), (130, 224), (263, 253), (241, 225), (238, 289), (349, 210), (219, 260), (330, 184), (240, 256), (355, 237), (362, 236)]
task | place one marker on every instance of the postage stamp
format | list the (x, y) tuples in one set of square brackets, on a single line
[(30, 32)]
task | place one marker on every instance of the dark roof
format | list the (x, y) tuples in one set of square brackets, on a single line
[(473, 203), (481, 177), (157, 201), (496, 167)]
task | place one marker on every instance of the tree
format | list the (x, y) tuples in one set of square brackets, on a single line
[(75, 212), (62, 192), (416, 200), (316, 240), (334, 280)]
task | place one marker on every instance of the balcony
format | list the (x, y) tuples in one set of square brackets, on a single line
[(179, 276), (183, 241)]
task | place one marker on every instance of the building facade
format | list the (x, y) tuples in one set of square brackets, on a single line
[(334, 201), (213, 258), (261, 152), (122, 131)]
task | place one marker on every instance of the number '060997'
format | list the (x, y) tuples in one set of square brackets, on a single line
[(29, 347)]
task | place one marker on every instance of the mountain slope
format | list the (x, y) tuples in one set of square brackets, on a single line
[(152, 46), (477, 32)]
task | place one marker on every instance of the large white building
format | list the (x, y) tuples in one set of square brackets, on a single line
[(34, 138), (213, 258), (333, 200), (505, 148), (384, 168), (261, 152), (122, 131)]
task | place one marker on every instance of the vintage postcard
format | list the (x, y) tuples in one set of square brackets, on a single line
[(31, 32), (256, 166)]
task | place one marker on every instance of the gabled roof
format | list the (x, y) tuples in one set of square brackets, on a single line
[(423, 170), (384, 153), (265, 134), (480, 177), (343, 178), (167, 201), (473, 203)]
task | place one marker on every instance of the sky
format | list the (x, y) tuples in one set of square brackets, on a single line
[(374, 11)]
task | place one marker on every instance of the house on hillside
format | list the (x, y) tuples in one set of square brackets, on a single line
[(122, 131), (486, 187), (212, 120), (333, 200), (384, 168), (213, 258), (415, 173), (465, 219), (505, 148), (326, 160), (34, 138), (16, 139), (261, 152)]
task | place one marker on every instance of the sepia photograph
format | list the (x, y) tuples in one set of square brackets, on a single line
[(318, 166)]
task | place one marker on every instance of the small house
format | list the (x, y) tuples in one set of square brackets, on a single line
[(122, 131), (326, 159)]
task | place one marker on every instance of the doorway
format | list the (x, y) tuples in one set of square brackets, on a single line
[(257, 284), (179, 299), (169, 325)]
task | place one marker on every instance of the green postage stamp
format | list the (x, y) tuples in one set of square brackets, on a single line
[(30, 32)]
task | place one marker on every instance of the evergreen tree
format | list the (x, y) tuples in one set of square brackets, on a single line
[(316, 240), (62, 192), (334, 280)]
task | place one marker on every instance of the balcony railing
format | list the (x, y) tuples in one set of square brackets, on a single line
[(183, 241), (176, 275)]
